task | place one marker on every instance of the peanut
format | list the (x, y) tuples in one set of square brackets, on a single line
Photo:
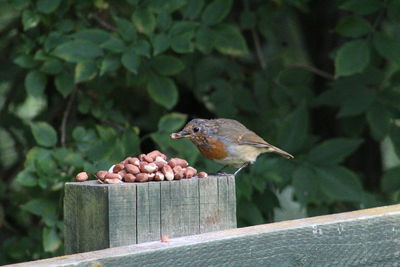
[(180, 174), (159, 176), (142, 177), (150, 168), (133, 169), (190, 172), (134, 161), (117, 168), (154, 154), (112, 175), (151, 176), (144, 157), (177, 161), (112, 181), (168, 173), (82, 176), (101, 174), (129, 178), (160, 163), (202, 175)]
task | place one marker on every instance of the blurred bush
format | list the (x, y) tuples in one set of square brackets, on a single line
[(85, 83)]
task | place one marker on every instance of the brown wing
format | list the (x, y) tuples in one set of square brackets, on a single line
[(252, 139)]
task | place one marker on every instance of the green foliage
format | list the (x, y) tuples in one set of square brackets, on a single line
[(84, 84)]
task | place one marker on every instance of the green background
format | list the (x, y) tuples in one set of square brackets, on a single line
[(83, 84)]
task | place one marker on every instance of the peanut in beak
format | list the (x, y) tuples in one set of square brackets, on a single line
[(176, 136), (179, 135)]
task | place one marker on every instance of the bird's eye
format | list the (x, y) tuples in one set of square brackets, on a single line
[(196, 129)]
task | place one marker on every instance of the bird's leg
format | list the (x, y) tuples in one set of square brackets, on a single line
[(241, 167)]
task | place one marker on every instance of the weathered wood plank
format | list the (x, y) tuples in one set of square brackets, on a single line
[(171, 209), (122, 214), (361, 238), (189, 191), (210, 214), (148, 212), (154, 211), (232, 220), (86, 223)]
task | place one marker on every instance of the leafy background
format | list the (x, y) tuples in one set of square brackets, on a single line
[(85, 83)]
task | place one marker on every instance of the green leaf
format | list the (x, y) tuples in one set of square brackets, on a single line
[(393, 10), (144, 20), (160, 43), (363, 7), (64, 83), (306, 184), (114, 44), (193, 8), (171, 122), (30, 19), (182, 43), (357, 101), (96, 36), (333, 151), (395, 137), (229, 40), (35, 82), (51, 239), (77, 51), (216, 11), (352, 57), (125, 29), (68, 157), (181, 35), (52, 67), (47, 6), (387, 47), (131, 142), (293, 130), (164, 21), (131, 61), (340, 184), (26, 178), (20, 4), (204, 39), (142, 48), (163, 91), (167, 65), (378, 118), (25, 61), (85, 71), (44, 134), (353, 26), (42, 207), (390, 181), (110, 63), (247, 20)]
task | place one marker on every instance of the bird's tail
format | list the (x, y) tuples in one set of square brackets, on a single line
[(279, 151)]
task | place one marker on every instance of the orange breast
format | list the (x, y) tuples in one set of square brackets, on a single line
[(214, 149)]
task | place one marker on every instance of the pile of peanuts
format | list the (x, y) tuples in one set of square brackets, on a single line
[(153, 166)]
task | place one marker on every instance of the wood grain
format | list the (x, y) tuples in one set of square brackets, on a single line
[(122, 214), (361, 238), (100, 216)]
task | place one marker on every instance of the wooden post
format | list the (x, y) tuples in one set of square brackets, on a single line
[(99, 216)]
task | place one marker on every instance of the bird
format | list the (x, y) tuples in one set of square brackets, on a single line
[(227, 141)]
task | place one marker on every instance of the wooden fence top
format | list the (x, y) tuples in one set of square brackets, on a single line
[(364, 237)]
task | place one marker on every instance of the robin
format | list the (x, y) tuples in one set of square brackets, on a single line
[(227, 141)]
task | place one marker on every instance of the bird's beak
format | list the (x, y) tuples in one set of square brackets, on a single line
[(180, 134)]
